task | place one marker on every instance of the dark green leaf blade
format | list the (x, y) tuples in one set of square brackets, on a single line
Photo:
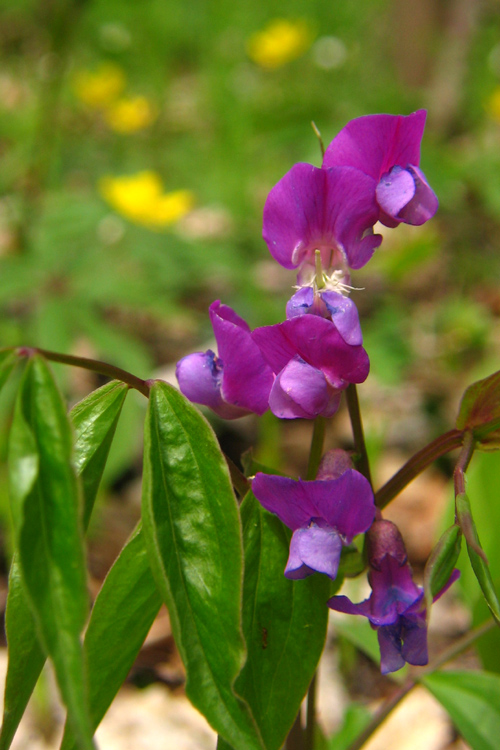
[(284, 623), (479, 565), (45, 510), (94, 420), (473, 701), (26, 656), (441, 562), (122, 615), (193, 534), (8, 360)]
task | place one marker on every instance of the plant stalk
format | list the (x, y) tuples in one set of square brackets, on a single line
[(362, 461)]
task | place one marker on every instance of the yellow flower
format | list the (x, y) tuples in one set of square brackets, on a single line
[(140, 198), (129, 114), (100, 88), (279, 43), (493, 105)]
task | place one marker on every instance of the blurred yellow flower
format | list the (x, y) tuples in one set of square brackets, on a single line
[(279, 43), (100, 88), (493, 105), (129, 114), (140, 198)]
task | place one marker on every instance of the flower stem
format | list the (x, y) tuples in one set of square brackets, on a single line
[(454, 650), (417, 463), (103, 368), (464, 458), (316, 450), (362, 461)]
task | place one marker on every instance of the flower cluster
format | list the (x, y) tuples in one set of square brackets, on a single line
[(319, 221)]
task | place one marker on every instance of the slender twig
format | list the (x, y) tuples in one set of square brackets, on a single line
[(362, 461), (417, 463), (464, 458), (450, 653), (94, 365)]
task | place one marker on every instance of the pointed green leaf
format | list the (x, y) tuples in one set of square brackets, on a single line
[(472, 699), (479, 565), (480, 411), (284, 623), (45, 511), (94, 420), (26, 656), (441, 562), (193, 533), (8, 360), (122, 615)]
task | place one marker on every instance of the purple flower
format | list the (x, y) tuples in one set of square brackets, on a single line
[(387, 148), (330, 305), (331, 210), (313, 364), (395, 607), (323, 515), (233, 383)]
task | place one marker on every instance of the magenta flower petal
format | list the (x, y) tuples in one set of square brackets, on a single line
[(315, 548), (323, 514), (247, 378), (199, 377), (325, 209), (316, 341), (301, 391), (286, 498), (376, 143)]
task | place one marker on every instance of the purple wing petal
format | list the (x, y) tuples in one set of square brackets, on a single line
[(313, 549), (414, 635), (344, 314), (395, 190), (376, 143), (389, 641), (199, 377), (284, 497), (247, 379), (301, 391), (424, 203)]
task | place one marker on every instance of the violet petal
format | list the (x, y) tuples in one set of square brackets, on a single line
[(286, 498), (199, 377), (376, 143), (344, 314), (395, 190), (301, 391), (247, 378), (389, 641), (314, 548), (414, 636), (424, 203)]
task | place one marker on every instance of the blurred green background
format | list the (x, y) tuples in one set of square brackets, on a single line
[(138, 143)]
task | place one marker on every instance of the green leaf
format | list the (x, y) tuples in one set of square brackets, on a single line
[(26, 656), (441, 562), (360, 634), (122, 615), (45, 510), (472, 699), (193, 534), (480, 411), (94, 420), (356, 718), (8, 360), (284, 623), (479, 565)]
